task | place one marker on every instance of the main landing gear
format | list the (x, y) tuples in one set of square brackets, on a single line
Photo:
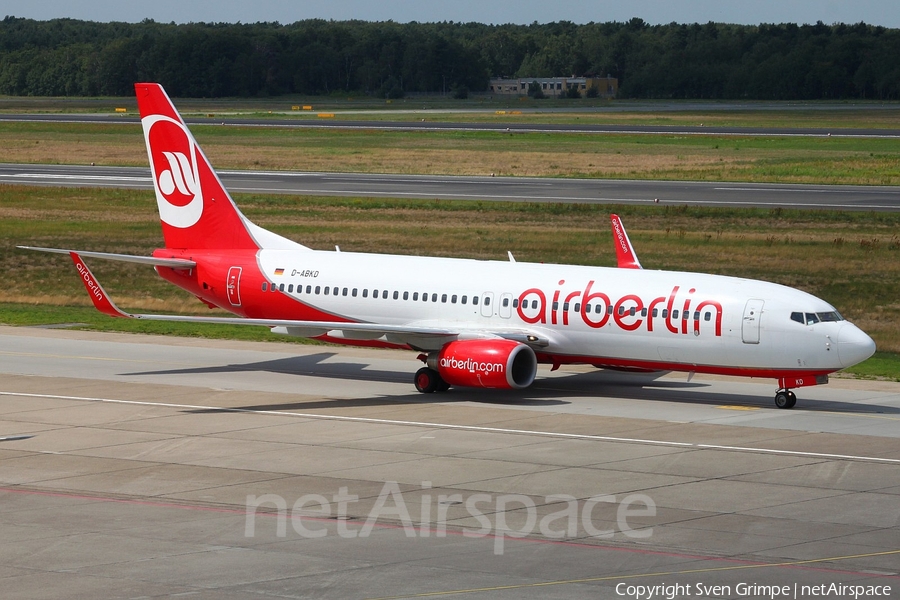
[(785, 399), (428, 380)]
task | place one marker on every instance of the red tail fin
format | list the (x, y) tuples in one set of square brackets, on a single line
[(195, 210)]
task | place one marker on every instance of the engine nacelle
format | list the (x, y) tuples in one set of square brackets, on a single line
[(503, 364)]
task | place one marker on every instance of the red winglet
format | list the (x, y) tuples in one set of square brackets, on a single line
[(625, 255), (98, 295)]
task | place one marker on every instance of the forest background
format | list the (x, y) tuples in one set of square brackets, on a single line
[(65, 57)]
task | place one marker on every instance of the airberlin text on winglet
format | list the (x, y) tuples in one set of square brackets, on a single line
[(629, 312)]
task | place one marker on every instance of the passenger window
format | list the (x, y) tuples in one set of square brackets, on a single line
[(515, 303), (643, 312), (406, 295), (556, 306), (415, 295), (696, 315), (424, 296), (318, 289), (577, 307), (655, 312), (281, 288), (632, 310), (309, 289), (326, 290), (434, 297), (384, 295), (444, 298), (453, 299), (265, 286), (374, 293), (290, 288), (344, 292), (353, 293), (587, 308), (487, 300), (505, 302), (396, 295), (707, 316), (609, 309), (463, 299), (674, 314), (365, 292), (665, 313)]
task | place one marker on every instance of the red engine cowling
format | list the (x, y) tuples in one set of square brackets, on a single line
[(503, 364)]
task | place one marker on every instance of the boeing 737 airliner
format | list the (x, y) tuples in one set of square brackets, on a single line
[(474, 323)]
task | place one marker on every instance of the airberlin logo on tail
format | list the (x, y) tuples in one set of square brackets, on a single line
[(173, 161)]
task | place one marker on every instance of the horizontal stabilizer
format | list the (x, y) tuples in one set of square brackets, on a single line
[(175, 263)]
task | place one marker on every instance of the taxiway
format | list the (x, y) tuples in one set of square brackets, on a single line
[(127, 465)]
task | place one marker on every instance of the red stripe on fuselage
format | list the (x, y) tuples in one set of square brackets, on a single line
[(649, 365)]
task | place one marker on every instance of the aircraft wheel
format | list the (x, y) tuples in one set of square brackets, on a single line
[(785, 399), (427, 380)]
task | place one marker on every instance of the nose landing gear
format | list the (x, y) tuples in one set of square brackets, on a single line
[(785, 398)]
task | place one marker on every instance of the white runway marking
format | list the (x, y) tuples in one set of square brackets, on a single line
[(464, 427)]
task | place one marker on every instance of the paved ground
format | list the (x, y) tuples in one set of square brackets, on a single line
[(508, 189), (136, 466)]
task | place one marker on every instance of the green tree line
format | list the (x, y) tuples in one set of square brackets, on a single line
[(66, 57)]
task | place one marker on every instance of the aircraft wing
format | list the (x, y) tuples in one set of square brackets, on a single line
[(395, 333)]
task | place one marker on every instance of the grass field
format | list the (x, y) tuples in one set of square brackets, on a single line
[(849, 259), (755, 159)]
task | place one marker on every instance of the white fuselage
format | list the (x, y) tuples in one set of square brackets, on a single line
[(637, 318)]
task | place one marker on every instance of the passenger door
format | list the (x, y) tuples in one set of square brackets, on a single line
[(750, 324)]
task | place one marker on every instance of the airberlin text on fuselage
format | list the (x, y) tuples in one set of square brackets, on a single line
[(674, 312)]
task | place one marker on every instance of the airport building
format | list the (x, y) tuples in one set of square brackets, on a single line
[(607, 87)]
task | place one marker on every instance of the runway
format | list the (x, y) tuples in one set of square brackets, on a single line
[(511, 189), (139, 465), (505, 125)]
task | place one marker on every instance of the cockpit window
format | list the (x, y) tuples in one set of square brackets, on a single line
[(826, 317), (813, 318)]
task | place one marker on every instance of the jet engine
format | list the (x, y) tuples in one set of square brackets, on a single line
[(494, 363)]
